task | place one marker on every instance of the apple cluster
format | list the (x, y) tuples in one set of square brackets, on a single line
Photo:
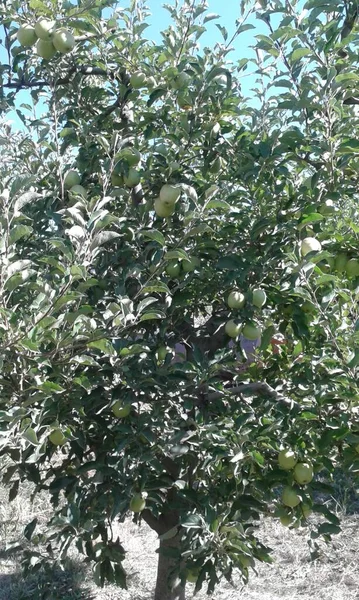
[(342, 263), (48, 38), (237, 300)]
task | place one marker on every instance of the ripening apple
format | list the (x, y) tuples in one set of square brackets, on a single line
[(290, 497), (352, 267), (303, 473), (44, 29), (251, 332), (287, 459), (236, 299), (259, 298), (26, 35), (173, 268), (63, 41), (232, 328), (71, 178), (138, 80), (131, 155), (190, 265), (169, 194), (45, 49), (137, 503), (340, 262), (132, 178), (310, 244), (57, 438), (121, 410), (163, 210)]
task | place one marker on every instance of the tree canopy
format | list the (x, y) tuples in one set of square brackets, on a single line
[(179, 277)]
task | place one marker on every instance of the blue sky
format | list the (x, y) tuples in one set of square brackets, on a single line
[(228, 10)]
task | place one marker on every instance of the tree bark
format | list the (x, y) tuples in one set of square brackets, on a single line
[(165, 565)]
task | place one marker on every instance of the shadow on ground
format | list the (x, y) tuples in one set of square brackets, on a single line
[(57, 584)]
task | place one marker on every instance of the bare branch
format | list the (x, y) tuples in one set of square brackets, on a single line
[(261, 388), (83, 70)]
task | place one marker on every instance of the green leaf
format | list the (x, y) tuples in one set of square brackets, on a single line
[(30, 528), (221, 204), (152, 315), (102, 238), (299, 53), (103, 345), (155, 235), (30, 435), (173, 254), (158, 287)]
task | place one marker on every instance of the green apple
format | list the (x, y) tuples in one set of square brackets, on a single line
[(259, 298), (173, 268), (340, 262), (190, 265), (287, 459), (71, 178), (306, 510), (151, 83), (357, 448), (77, 190), (303, 473), (57, 438), (131, 155), (215, 165), (161, 149), (44, 29), (251, 332), (45, 49), (290, 497), (137, 503), (116, 180), (220, 79), (63, 41), (352, 267), (181, 81), (310, 244), (162, 352), (138, 80), (26, 35), (163, 210), (121, 410), (233, 329), (169, 194), (327, 208), (236, 299), (286, 520), (192, 575), (132, 178)]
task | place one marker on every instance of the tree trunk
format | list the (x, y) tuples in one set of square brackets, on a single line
[(165, 565)]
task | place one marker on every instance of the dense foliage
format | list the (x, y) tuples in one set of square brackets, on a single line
[(100, 280)]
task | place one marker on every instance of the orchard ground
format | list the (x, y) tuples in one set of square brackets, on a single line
[(334, 575)]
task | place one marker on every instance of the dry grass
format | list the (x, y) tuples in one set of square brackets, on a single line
[(333, 576)]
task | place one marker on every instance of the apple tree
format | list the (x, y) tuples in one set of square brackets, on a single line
[(179, 276)]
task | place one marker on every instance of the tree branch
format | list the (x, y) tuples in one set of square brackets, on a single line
[(83, 70), (261, 388)]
